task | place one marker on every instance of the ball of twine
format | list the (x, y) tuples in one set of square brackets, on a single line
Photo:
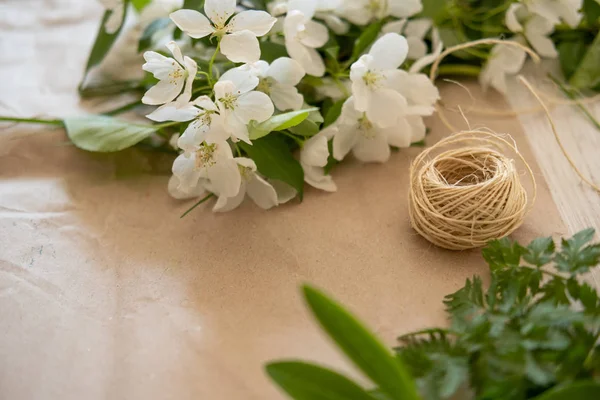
[(468, 194)]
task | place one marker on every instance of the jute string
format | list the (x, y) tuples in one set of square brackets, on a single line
[(469, 193)]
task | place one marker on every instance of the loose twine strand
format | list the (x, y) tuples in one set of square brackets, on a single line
[(471, 193)]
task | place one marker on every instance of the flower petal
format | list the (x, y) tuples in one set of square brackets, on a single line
[(184, 168), (177, 193), (242, 78), (315, 151), (192, 23), (390, 51), (174, 112), (307, 8), (263, 194), (285, 192), (176, 51), (287, 71), (192, 137), (219, 11), (286, 97), (309, 59), (160, 66), (205, 103), (344, 140), (163, 92), (511, 19), (255, 106), (536, 31), (225, 177), (372, 149), (417, 48), (226, 204), (399, 135), (404, 8), (316, 35), (241, 47), (385, 107), (315, 177), (257, 22), (394, 26)]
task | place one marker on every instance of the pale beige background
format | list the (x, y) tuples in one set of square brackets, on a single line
[(106, 294)]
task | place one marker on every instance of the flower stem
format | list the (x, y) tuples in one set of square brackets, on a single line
[(459, 69), (56, 122), (212, 62), (210, 195)]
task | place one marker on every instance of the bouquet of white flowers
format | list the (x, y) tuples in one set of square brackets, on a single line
[(259, 97)]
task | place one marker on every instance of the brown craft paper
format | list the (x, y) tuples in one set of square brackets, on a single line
[(106, 294)]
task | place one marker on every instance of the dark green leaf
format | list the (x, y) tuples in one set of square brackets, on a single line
[(306, 128), (540, 251), (278, 122), (270, 51), (571, 53), (304, 381), (361, 346), (503, 253), (574, 258), (104, 42), (105, 134), (156, 26), (587, 75), (366, 39), (581, 390), (555, 291), (591, 11), (275, 160), (193, 5), (333, 113)]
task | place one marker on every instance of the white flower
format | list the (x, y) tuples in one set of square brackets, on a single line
[(303, 36), (117, 9), (367, 141), (415, 31), (420, 93), (325, 10), (173, 75), (374, 80), (313, 158), (210, 164), (504, 60), (239, 103), (534, 27), (238, 35), (361, 12), (279, 81), (556, 10), (251, 184)]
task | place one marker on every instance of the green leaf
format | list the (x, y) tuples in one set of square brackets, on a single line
[(303, 381), (591, 10), (193, 5), (306, 128), (581, 390), (274, 160), (156, 26), (366, 39), (571, 52), (140, 4), (587, 75), (540, 251), (503, 253), (333, 113), (361, 346), (105, 134), (104, 42), (270, 51), (278, 122), (574, 258)]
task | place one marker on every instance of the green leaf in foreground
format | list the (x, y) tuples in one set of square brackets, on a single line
[(333, 113), (140, 4), (574, 391), (104, 42), (570, 53), (303, 381), (278, 122), (275, 161), (105, 134), (361, 346), (587, 75)]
